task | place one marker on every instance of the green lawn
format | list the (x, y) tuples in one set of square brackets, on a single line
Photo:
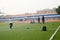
[(20, 31), (57, 36)]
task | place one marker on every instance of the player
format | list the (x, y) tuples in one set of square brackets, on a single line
[(38, 20), (10, 23), (43, 19)]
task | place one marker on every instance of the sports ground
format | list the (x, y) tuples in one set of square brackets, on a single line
[(27, 31)]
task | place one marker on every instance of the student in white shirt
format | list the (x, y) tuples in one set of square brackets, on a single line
[(10, 23)]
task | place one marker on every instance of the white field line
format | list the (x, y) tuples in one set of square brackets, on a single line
[(54, 33)]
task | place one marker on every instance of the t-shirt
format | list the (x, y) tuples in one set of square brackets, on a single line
[(10, 20)]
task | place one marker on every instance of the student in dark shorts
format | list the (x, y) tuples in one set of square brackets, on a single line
[(43, 19), (38, 19), (10, 23)]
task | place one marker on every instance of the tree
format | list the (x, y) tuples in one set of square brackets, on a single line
[(58, 10)]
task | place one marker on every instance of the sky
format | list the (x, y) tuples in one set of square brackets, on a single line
[(26, 6)]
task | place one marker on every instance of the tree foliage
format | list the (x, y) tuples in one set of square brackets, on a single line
[(58, 10)]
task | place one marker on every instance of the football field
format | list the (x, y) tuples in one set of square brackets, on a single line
[(28, 31)]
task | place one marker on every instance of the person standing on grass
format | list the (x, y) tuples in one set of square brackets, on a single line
[(43, 19), (10, 23), (38, 19)]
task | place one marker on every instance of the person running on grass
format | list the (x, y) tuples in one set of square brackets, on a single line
[(10, 23)]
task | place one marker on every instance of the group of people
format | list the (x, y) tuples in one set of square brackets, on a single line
[(11, 23), (43, 19)]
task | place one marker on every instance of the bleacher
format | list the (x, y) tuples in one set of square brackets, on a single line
[(25, 18)]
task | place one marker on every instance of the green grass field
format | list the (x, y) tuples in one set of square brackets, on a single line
[(57, 36), (20, 31)]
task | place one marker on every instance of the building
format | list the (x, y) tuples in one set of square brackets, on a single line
[(46, 11), (50, 16)]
